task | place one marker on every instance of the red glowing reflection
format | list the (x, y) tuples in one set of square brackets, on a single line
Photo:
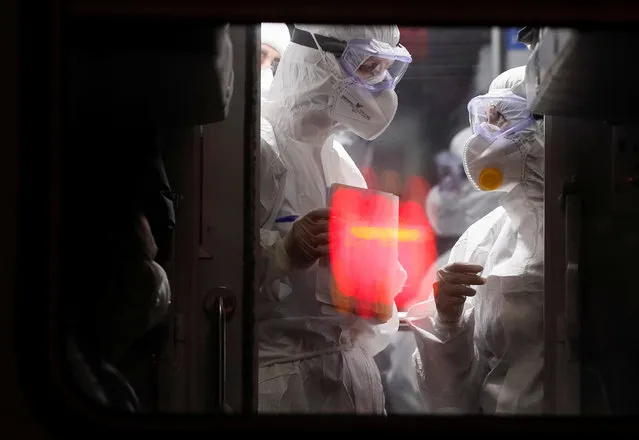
[(369, 234), (364, 252), (415, 257)]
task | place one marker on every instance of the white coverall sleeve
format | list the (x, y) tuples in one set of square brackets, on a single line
[(274, 265), (445, 358), (273, 261)]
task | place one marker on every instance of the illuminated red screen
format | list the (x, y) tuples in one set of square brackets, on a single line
[(370, 232)]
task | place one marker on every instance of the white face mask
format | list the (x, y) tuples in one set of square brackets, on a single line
[(362, 113), (496, 165), (162, 300), (266, 79), (377, 78)]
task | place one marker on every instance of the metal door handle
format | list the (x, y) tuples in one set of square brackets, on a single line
[(219, 305), (572, 300)]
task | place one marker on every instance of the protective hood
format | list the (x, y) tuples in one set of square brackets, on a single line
[(275, 35), (300, 96), (512, 79)]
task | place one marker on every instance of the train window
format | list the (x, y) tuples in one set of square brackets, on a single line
[(382, 219)]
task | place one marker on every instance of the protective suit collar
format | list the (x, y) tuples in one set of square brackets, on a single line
[(275, 35), (528, 196)]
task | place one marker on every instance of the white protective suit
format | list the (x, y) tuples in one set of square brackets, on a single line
[(311, 358), (491, 361)]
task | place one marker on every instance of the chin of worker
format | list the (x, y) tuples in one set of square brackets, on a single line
[(313, 358), (480, 339)]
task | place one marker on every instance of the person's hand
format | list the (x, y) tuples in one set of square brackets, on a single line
[(453, 286), (308, 239)]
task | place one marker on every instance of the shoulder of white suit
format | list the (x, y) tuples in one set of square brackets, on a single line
[(267, 134)]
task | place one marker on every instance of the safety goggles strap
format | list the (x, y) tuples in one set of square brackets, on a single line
[(327, 44)]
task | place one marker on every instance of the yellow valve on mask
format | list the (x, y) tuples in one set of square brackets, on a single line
[(490, 179)]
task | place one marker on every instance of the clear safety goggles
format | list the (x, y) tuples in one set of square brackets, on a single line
[(498, 113), (376, 65)]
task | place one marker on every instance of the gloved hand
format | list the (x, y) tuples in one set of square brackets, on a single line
[(308, 239), (452, 288)]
